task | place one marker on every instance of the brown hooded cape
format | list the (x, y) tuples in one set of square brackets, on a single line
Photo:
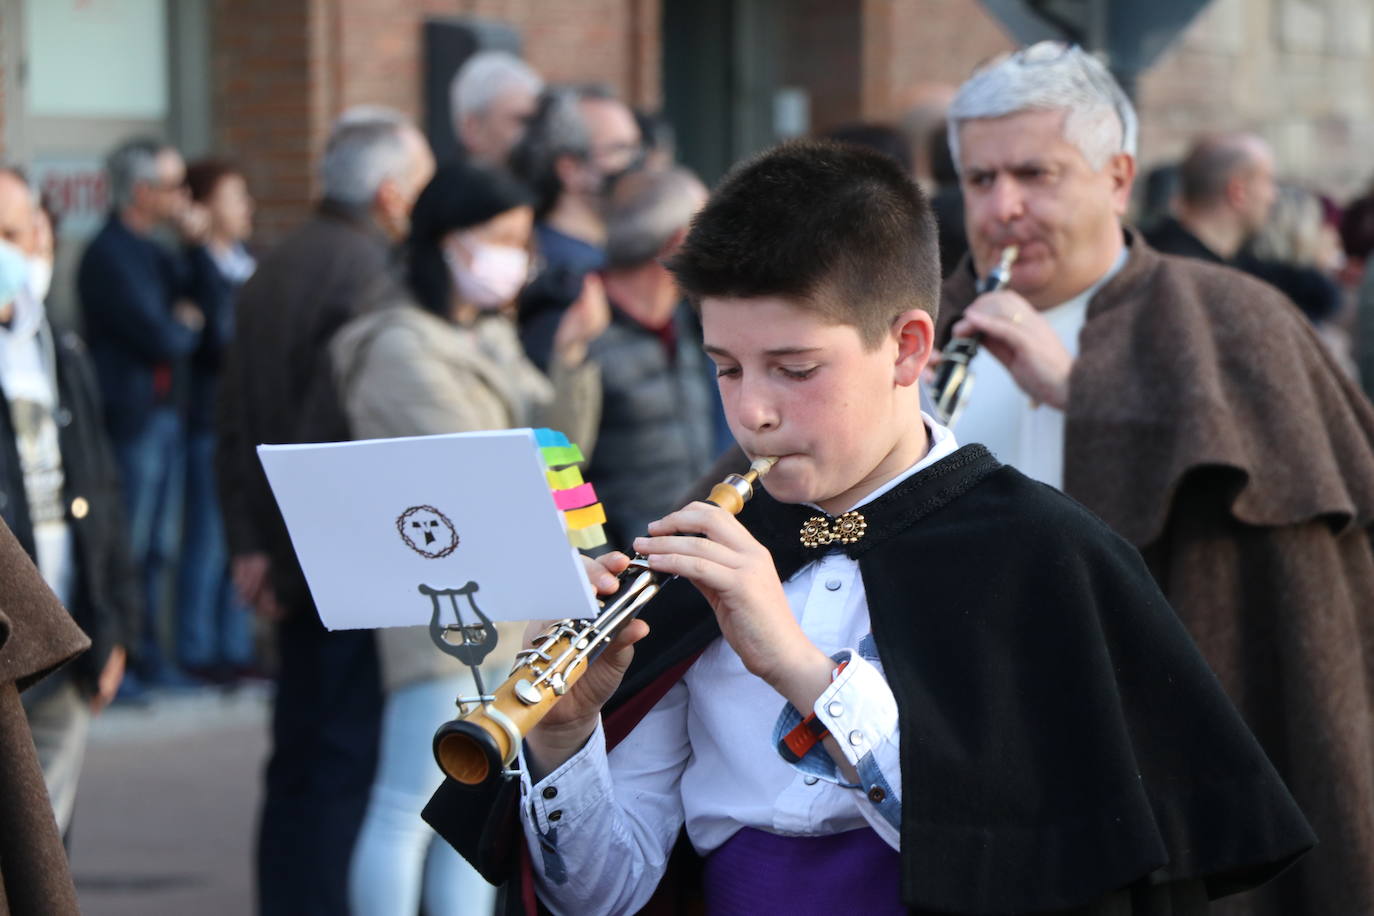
[(1207, 425), (36, 636)]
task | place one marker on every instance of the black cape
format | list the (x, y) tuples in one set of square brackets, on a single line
[(1061, 737)]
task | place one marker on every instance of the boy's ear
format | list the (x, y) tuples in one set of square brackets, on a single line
[(914, 331)]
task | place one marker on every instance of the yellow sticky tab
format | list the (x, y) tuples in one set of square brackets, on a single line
[(587, 538), (594, 514), (565, 479)]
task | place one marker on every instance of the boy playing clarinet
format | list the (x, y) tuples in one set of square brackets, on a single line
[(905, 677)]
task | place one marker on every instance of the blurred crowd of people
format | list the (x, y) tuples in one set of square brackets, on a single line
[(522, 285)]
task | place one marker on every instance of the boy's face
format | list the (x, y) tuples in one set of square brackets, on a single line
[(842, 419)]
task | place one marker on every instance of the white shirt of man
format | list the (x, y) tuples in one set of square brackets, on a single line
[(1017, 431), (601, 826)]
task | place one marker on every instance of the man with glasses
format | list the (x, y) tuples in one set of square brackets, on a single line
[(492, 97), (140, 326), (582, 139), (1192, 409)]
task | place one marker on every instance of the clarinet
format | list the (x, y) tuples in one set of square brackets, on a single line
[(953, 380), (479, 746)]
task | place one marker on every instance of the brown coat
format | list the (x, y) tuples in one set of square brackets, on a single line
[(1208, 425), (36, 637)]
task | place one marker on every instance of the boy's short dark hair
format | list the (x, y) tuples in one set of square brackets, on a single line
[(839, 229)]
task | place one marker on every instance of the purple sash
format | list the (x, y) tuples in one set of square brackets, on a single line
[(758, 872)]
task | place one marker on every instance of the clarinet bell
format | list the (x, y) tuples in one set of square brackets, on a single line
[(467, 752)]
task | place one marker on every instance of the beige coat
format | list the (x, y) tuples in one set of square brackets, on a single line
[(403, 371)]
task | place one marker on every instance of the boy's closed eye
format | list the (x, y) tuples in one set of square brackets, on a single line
[(796, 374)]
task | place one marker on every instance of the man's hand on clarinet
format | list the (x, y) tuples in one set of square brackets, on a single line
[(571, 721), (1017, 334)]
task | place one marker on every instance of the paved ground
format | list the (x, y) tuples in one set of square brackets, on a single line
[(167, 805)]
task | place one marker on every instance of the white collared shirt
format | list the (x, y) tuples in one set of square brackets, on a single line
[(1000, 415), (600, 827)]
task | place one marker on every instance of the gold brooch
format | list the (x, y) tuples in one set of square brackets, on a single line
[(820, 531)]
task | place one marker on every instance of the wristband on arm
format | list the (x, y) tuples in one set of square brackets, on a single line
[(809, 732)]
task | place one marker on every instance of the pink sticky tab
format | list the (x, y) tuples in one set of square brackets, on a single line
[(574, 498)]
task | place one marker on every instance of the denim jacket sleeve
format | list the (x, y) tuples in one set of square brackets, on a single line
[(858, 709)]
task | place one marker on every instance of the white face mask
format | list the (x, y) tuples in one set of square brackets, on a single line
[(495, 276), (14, 272), (40, 278)]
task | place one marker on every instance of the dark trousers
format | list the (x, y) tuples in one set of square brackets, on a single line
[(326, 726), (148, 465), (214, 627)]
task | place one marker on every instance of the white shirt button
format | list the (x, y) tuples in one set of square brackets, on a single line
[(833, 585), (811, 780), (856, 738), (835, 708)]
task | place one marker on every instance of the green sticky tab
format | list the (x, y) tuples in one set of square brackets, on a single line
[(556, 456)]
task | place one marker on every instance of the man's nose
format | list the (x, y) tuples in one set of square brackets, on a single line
[(1006, 199)]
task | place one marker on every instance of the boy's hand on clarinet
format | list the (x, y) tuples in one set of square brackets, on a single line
[(736, 575), (571, 721)]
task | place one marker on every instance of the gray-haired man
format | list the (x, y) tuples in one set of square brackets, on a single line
[(1192, 409), (580, 141), (657, 432), (277, 388), (140, 326), (492, 97)]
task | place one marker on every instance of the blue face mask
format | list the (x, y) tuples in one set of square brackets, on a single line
[(14, 272)]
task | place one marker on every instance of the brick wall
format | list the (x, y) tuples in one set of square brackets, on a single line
[(1297, 71), (270, 89), (936, 41), (284, 68), (611, 41)]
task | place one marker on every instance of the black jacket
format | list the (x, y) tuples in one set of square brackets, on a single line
[(657, 421), (127, 286), (1063, 745), (277, 385), (106, 596)]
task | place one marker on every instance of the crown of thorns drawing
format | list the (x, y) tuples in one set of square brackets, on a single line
[(427, 531)]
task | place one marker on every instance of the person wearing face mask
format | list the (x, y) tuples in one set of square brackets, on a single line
[(60, 494), (580, 141), (444, 357)]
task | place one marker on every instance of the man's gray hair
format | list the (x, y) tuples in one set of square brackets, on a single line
[(131, 163), (559, 128), (1099, 119), (484, 77), (367, 146), (646, 210), (564, 130)]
